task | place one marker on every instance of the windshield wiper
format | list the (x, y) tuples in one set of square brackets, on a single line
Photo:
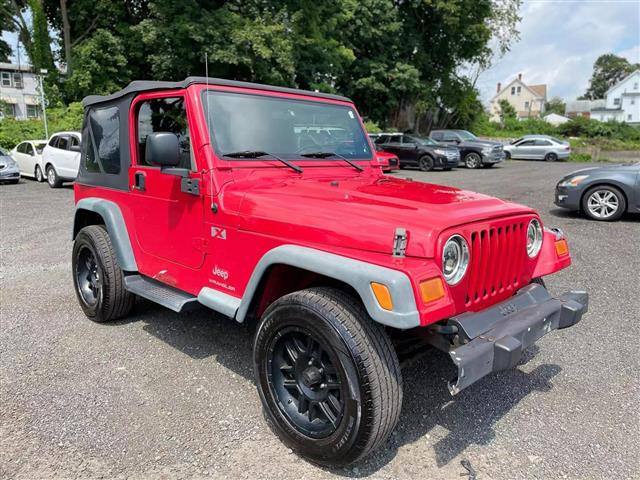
[(332, 154), (260, 153)]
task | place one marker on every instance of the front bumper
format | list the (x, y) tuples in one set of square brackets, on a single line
[(9, 173), (494, 339), (446, 161), (493, 157), (568, 197)]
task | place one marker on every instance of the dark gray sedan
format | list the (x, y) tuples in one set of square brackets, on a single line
[(603, 193)]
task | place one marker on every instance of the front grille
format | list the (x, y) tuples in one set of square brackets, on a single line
[(451, 153), (498, 254)]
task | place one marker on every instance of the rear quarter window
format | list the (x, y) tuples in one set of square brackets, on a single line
[(102, 145)]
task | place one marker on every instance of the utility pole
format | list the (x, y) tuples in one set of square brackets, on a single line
[(43, 71)]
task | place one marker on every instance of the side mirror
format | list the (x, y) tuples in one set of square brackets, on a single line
[(74, 148), (162, 149)]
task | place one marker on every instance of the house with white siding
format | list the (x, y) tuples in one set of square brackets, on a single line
[(622, 101), (19, 91)]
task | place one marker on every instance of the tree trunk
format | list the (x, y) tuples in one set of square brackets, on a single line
[(66, 32)]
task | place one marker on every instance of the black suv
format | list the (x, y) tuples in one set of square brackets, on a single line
[(418, 151), (474, 152)]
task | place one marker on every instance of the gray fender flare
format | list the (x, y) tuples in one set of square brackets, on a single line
[(116, 227), (355, 273)]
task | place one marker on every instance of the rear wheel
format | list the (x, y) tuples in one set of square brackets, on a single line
[(473, 160), (426, 163), (97, 277), (551, 157), (327, 375), (39, 175), (52, 177), (604, 203)]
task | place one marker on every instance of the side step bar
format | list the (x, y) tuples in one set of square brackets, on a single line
[(157, 292)]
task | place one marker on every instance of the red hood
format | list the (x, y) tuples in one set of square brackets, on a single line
[(360, 212)]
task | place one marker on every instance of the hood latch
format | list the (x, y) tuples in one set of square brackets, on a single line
[(399, 242)]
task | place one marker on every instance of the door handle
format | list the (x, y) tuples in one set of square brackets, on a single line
[(139, 181)]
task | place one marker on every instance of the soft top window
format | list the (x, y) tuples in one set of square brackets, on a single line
[(102, 145)]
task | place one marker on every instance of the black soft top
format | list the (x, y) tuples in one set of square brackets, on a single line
[(149, 85)]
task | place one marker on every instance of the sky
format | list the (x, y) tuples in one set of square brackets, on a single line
[(559, 42), (561, 39)]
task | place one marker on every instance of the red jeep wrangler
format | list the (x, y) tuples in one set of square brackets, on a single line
[(267, 204)]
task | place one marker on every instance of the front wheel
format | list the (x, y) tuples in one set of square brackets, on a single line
[(473, 160), (52, 177), (97, 277), (426, 163), (327, 375), (605, 203)]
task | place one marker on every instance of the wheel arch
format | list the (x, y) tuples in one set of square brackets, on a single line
[(97, 211), (316, 267), (605, 183)]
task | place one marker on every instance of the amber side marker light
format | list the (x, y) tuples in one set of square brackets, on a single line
[(562, 248), (382, 295), (431, 290)]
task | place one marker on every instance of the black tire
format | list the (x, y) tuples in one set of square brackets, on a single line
[(99, 286), (473, 160), (487, 165), (426, 163), (507, 155), (539, 281), (38, 174), (14, 182), (367, 400), (613, 197), (446, 169), (52, 177), (551, 157)]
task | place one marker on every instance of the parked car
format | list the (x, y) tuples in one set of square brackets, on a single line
[(538, 147), (28, 156), (416, 151), (327, 256), (388, 161), (474, 152), (61, 158), (603, 193), (9, 171)]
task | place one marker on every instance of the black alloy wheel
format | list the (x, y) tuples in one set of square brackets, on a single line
[(551, 157), (426, 163), (327, 375)]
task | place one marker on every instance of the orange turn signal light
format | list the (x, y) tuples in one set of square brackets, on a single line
[(562, 248), (382, 295), (431, 290)]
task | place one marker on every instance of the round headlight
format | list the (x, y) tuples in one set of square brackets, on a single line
[(534, 238), (455, 259)]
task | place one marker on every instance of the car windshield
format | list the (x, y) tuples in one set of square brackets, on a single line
[(464, 135), (245, 123), (423, 140), (40, 146)]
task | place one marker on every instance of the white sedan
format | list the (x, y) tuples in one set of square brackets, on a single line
[(28, 156)]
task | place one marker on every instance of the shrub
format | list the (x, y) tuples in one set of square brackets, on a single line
[(59, 119)]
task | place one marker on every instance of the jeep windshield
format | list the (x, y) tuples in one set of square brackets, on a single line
[(283, 127)]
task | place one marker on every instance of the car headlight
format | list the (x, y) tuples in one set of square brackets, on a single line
[(573, 181), (534, 238), (440, 151), (455, 259), (487, 150)]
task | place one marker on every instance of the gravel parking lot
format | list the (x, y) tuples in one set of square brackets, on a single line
[(160, 395)]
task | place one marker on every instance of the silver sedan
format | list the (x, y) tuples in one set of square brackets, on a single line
[(538, 147)]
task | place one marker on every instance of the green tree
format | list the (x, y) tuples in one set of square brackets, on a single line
[(555, 105), (507, 111), (103, 63), (608, 70)]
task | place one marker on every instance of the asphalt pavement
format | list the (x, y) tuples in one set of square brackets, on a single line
[(159, 395)]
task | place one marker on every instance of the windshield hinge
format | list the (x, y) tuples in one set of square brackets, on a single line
[(399, 242)]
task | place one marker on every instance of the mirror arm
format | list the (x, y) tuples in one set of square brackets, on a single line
[(179, 172)]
